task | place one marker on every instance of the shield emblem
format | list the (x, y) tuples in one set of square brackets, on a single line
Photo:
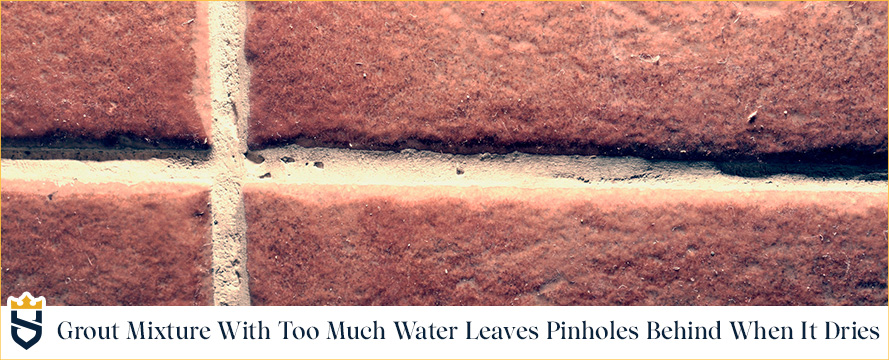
[(26, 304), (36, 326)]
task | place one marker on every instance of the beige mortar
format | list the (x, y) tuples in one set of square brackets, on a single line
[(416, 168), (424, 168), (228, 84)]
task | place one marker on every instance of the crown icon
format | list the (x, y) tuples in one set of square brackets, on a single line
[(25, 302)]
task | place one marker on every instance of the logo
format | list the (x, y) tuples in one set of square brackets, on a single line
[(27, 304)]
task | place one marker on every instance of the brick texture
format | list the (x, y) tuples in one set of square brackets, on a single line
[(675, 80), (376, 245), (106, 74), (108, 244)]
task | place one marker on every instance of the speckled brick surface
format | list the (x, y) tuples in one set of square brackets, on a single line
[(378, 245), (107, 244), (105, 74), (676, 80)]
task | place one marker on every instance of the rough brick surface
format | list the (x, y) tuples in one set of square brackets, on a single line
[(105, 73), (350, 245), (107, 244), (574, 78)]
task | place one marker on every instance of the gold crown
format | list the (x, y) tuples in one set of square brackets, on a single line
[(25, 302)]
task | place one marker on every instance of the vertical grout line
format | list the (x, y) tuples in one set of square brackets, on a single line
[(228, 75)]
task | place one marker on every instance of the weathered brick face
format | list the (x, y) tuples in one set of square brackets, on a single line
[(105, 73), (346, 245), (107, 244), (653, 79)]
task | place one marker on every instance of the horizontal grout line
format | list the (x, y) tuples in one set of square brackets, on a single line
[(864, 157), (746, 169), (298, 165), (119, 171)]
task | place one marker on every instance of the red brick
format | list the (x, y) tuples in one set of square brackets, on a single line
[(377, 245), (105, 73), (571, 78), (108, 244)]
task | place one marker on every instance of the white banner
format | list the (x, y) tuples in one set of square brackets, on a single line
[(447, 332)]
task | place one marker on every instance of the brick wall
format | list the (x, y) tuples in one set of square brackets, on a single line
[(445, 154)]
